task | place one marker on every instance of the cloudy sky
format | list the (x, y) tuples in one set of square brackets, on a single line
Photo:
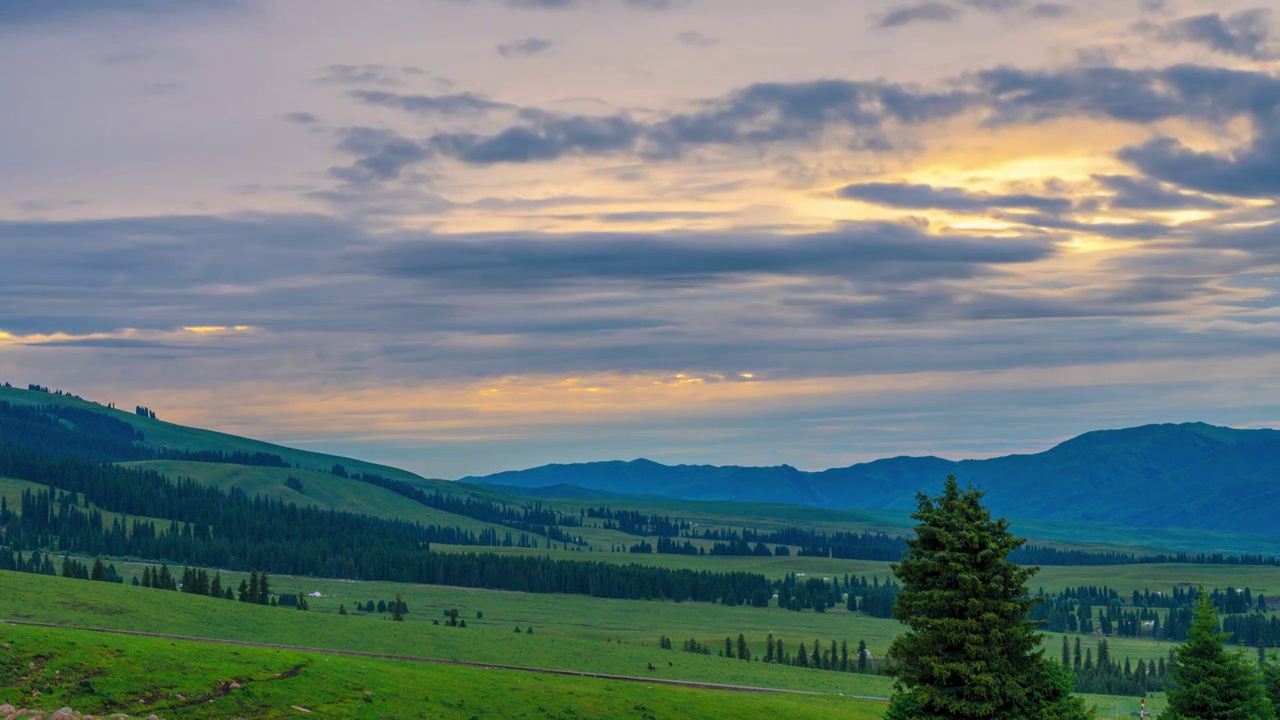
[(462, 236)]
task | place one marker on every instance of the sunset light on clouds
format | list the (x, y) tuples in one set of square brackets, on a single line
[(463, 236)]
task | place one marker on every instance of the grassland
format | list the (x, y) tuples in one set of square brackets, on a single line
[(102, 673), (320, 489), (179, 437), (571, 633), (562, 642)]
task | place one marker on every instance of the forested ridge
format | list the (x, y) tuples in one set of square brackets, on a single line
[(204, 526)]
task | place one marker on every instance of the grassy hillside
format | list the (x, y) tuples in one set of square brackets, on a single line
[(178, 437), (103, 673), (321, 489), (571, 633)]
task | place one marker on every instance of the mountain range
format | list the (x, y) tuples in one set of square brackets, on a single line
[(1189, 475)]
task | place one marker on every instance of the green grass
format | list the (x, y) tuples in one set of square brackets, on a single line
[(169, 435), (101, 673), (321, 489), (569, 631)]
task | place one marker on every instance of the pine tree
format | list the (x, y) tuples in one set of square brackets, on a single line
[(1271, 680), (253, 587), (99, 570), (970, 650), (743, 653), (264, 590), (397, 612), (862, 656), (1066, 652), (1209, 681), (768, 649)]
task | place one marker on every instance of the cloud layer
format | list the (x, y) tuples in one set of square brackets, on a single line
[(465, 236)]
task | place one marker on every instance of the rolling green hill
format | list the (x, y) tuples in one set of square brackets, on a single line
[(164, 435)]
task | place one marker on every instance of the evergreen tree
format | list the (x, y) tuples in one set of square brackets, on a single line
[(99, 570), (397, 612), (1211, 682), (342, 609), (1066, 652), (264, 590), (215, 587), (1271, 680), (743, 653), (253, 587), (969, 650), (862, 656), (768, 649)]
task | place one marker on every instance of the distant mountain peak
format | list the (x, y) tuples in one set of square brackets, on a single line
[(1191, 474)]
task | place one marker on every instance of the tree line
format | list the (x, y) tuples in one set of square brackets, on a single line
[(207, 527)]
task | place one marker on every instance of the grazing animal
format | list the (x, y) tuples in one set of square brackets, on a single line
[(652, 668)]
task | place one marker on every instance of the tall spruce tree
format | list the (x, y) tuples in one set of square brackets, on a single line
[(1271, 680), (1211, 683), (970, 650)]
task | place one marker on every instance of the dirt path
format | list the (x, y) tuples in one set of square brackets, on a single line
[(437, 661)]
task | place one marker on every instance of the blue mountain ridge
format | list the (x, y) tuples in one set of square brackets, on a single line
[(1190, 475)]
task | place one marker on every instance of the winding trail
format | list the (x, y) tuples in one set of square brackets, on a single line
[(438, 661)]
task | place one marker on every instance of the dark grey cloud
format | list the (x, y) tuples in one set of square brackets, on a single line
[(945, 302), (524, 47), (1213, 95), (27, 12), (1133, 193), (876, 251), (1250, 171), (933, 12), (383, 154), (693, 38), (1050, 10), (766, 114), (1243, 34), (948, 198), (1115, 230), (374, 74), (546, 137), (301, 118), (451, 104), (998, 6)]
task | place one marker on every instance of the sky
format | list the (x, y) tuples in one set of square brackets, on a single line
[(465, 236)]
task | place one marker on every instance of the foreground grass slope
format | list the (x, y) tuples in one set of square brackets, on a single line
[(101, 674), (571, 636)]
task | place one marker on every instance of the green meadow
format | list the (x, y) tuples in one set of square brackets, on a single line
[(98, 673)]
